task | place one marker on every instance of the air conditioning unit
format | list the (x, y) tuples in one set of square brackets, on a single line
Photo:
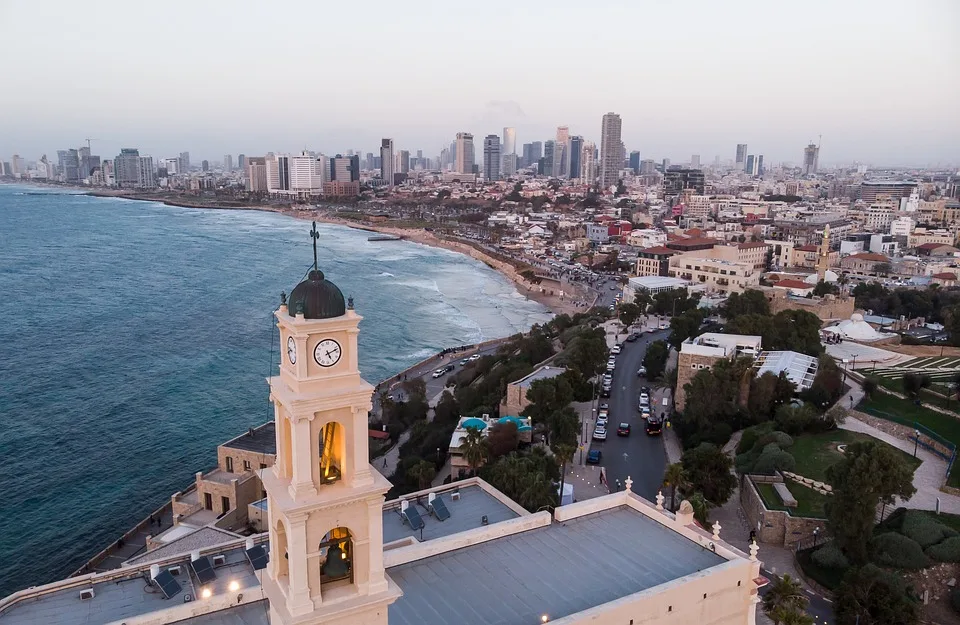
[(175, 570), (87, 594), (455, 496), (219, 560)]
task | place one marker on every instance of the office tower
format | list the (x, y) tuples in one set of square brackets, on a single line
[(610, 146), (666, 164), (695, 161), (306, 172), (256, 174), (172, 165), (18, 165), (204, 165), (549, 158), (491, 157), (532, 152), (751, 165), (386, 161), (588, 162), (242, 162), (678, 179), (69, 162), (741, 161), (184, 162), (126, 168), (465, 153), (562, 154), (278, 173), (44, 168), (576, 146), (509, 140), (403, 162), (760, 165), (445, 158), (345, 168), (716, 162), (647, 166), (811, 154), (227, 163), (635, 161), (509, 167)]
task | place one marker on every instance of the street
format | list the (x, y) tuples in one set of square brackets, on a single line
[(639, 456)]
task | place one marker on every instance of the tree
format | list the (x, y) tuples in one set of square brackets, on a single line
[(674, 478), (882, 269), (750, 302), (642, 299), (871, 472), (784, 595), (708, 471), (685, 326), (869, 387), (621, 188), (503, 438), (655, 360), (827, 385), (422, 473), (767, 393), (913, 383), (628, 313), (790, 616), (872, 596), (547, 397), (674, 301), (474, 449), (825, 288)]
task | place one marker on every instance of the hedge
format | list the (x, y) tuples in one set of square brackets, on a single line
[(830, 557), (947, 551), (897, 551), (924, 530)]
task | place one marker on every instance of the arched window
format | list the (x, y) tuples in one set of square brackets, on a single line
[(283, 560), (331, 446), (336, 556)]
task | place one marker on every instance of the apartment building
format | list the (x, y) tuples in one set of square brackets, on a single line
[(715, 274), (654, 261), (703, 351)]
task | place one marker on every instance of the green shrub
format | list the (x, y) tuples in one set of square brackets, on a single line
[(830, 557), (897, 551), (947, 551), (926, 531), (751, 435), (775, 460), (780, 439), (893, 522)]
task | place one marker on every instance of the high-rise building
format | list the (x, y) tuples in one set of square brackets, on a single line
[(306, 173), (588, 162), (635, 161), (242, 162), (751, 167), (227, 163), (345, 168), (491, 157), (69, 162), (811, 154), (184, 162), (509, 140), (403, 162), (509, 167), (386, 161), (677, 179), (760, 165), (562, 154), (204, 165), (576, 147), (741, 160), (549, 158), (532, 152), (18, 165), (256, 173), (44, 168), (610, 150), (695, 161), (278, 173), (465, 154), (172, 165), (647, 166), (134, 171)]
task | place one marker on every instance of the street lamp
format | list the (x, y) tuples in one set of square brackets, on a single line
[(816, 532), (916, 442)]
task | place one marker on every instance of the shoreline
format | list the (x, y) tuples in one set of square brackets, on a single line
[(546, 296)]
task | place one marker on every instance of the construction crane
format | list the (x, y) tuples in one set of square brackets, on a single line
[(88, 140)]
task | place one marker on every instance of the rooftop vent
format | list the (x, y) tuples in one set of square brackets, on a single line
[(175, 570), (455, 495), (87, 594), (219, 560)]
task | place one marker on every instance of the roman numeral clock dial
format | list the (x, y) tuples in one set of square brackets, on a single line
[(327, 353)]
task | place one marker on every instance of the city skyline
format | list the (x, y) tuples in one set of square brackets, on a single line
[(795, 89)]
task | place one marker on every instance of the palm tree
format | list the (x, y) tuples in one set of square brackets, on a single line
[(423, 472), (790, 616), (674, 477), (537, 493), (474, 449), (785, 595), (563, 453)]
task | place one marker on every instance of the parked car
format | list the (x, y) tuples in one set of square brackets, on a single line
[(652, 426), (642, 371), (644, 397), (615, 349), (600, 433), (443, 371), (664, 325), (464, 362), (594, 456), (604, 412), (602, 420), (605, 392), (604, 406), (475, 357), (623, 429)]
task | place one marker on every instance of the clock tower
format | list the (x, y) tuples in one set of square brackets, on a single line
[(324, 499)]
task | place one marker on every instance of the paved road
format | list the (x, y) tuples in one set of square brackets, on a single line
[(640, 456), (819, 608)]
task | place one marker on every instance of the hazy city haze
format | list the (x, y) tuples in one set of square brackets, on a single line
[(876, 78)]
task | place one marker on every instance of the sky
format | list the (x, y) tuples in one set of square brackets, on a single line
[(878, 79)]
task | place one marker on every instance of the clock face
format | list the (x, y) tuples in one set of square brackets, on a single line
[(327, 353), (292, 350)]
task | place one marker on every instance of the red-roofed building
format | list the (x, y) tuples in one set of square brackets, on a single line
[(691, 244), (936, 249), (795, 287), (654, 261), (946, 278), (864, 263)]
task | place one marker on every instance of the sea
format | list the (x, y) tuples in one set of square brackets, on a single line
[(135, 337)]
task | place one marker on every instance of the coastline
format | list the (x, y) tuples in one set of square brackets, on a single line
[(549, 296)]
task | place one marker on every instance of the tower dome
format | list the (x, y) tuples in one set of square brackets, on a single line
[(317, 298)]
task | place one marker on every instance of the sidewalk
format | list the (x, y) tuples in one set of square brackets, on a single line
[(387, 463)]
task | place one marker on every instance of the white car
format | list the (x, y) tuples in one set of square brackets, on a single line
[(600, 433), (475, 357), (602, 420), (644, 397), (642, 371), (615, 349)]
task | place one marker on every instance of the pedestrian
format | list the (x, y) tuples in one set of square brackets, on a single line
[(384, 462)]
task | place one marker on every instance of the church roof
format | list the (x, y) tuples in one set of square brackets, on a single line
[(317, 298)]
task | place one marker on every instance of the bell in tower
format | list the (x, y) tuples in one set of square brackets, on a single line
[(324, 499)]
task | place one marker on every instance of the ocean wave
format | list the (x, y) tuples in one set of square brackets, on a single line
[(387, 274)]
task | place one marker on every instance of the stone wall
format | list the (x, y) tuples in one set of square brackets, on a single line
[(688, 365), (776, 527), (826, 308)]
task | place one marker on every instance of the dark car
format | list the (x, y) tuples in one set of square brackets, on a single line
[(594, 456), (653, 426), (605, 392), (633, 337), (623, 429)]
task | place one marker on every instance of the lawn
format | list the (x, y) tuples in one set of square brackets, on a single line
[(809, 502), (815, 453)]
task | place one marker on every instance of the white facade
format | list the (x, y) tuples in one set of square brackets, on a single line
[(509, 140), (386, 161), (588, 162), (901, 226), (305, 175), (610, 149), (465, 153)]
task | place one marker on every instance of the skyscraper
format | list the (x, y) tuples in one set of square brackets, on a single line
[(695, 161), (204, 165), (760, 165), (184, 162), (635, 161), (509, 167), (647, 166), (386, 161), (509, 140), (549, 158), (465, 153), (256, 173), (588, 162), (741, 156), (404, 161), (562, 167), (811, 154), (751, 165), (666, 164), (491, 157), (227, 162), (576, 146), (69, 162), (610, 145), (242, 162)]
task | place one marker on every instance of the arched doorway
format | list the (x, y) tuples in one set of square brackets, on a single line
[(282, 559), (336, 556), (331, 446)]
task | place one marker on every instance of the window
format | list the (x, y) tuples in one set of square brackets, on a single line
[(331, 443), (229, 464), (207, 501), (263, 466), (246, 465), (225, 504)]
